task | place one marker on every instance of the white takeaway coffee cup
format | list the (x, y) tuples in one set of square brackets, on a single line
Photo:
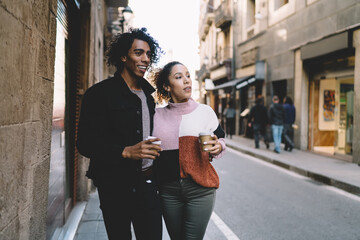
[(152, 137)]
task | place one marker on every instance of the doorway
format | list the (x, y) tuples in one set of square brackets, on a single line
[(280, 89), (331, 116)]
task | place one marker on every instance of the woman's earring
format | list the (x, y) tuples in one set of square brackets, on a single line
[(168, 94)]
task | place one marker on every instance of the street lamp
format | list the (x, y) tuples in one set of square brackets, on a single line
[(258, 16), (127, 13), (123, 18), (206, 60)]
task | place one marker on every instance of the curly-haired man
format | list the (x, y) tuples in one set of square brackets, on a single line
[(116, 118)]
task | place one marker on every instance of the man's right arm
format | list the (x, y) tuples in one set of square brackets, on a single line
[(142, 150), (270, 115)]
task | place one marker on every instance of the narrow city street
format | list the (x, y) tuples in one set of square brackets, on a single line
[(258, 200)]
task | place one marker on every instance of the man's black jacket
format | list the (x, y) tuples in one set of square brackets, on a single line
[(110, 120), (259, 115), (276, 114)]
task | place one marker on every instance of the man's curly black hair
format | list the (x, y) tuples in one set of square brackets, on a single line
[(121, 43)]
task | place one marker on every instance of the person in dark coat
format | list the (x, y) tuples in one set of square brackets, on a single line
[(258, 119), (116, 118), (230, 113), (288, 132), (276, 117)]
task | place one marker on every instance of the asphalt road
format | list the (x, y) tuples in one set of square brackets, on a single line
[(257, 200)]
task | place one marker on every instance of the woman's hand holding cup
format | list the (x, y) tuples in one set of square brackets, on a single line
[(210, 143)]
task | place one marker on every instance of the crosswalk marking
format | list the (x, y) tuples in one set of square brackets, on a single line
[(230, 235)]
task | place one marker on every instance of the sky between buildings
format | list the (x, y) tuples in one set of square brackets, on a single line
[(174, 23)]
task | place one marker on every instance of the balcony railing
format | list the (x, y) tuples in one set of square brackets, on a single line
[(207, 14), (223, 14), (116, 3), (203, 72)]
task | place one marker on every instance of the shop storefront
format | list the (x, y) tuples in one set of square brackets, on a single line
[(223, 94), (247, 92), (330, 65), (331, 107)]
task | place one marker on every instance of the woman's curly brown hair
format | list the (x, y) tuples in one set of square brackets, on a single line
[(160, 78), (121, 43)]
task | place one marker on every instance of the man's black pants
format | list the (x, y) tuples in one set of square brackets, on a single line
[(230, 126), (260, 130), (139, 206), (288, 135)]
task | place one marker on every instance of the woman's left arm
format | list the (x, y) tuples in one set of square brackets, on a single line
[(218, 141)]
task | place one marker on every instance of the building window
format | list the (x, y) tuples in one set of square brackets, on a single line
[(223, 49), (280, 3), (280, 9), (250, 24), (280, 89), (250, 13), (250, 18), (311, 1)]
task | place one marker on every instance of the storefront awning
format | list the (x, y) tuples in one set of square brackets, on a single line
[(232, 83), (245, 82), (209, 84)]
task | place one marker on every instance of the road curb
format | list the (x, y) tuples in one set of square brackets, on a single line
[(68, 231), (313, 175)]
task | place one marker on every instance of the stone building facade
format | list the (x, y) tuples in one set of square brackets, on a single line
[(52, 51), (305, 49), (28, 39)]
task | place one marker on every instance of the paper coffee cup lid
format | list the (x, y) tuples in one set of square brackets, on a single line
[(156, 142), (205, 133)]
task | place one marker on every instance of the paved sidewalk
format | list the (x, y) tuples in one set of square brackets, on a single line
[(330, 171), (91, 226), (337, 173)]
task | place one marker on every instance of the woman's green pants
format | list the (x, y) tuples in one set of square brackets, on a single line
[(187, 208)]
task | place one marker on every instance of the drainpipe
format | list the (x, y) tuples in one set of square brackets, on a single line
[(233, 67)]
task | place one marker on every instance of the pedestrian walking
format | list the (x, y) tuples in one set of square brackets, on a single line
[(229, 113), (258, 120), (188, 181), (288, 133), (116, 116), (276, 117)]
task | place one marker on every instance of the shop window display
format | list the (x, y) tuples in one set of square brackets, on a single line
[(332, 121)]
